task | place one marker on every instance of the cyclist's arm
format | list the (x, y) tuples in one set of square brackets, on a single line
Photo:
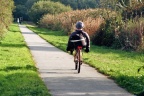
[(87, 40), (69, 44)]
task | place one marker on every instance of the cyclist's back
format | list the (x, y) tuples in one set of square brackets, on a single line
[(79, 38)]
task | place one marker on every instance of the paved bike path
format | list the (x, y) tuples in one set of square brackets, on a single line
[(56, 69)]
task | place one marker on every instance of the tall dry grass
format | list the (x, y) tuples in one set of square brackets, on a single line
[(93, 25), (66, 21)]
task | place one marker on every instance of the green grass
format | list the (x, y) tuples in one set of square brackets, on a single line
[(119, 65), (18, 74)]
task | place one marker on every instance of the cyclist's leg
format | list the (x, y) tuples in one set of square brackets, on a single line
[(75, 56)]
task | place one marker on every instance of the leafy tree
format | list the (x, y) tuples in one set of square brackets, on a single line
[(131, 8), (46, 7), (108, 3)]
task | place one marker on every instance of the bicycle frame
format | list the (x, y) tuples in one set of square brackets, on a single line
[(79, 58)]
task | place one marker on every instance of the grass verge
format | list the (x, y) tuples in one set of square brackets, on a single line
[(18, 74), (119, 65)]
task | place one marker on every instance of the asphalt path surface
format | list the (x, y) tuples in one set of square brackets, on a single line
[(56, 69)]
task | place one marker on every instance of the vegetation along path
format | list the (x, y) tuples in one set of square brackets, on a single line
[(56, 68)]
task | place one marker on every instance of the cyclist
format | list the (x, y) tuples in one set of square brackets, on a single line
[(78, 38)]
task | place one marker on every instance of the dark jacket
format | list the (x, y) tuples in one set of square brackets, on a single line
[(84, 34)]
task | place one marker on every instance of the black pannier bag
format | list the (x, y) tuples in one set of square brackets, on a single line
[(78, 40)]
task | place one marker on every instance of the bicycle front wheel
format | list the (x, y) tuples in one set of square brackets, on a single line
[(76, 65)]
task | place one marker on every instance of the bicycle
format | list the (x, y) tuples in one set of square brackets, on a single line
[(78, 58)]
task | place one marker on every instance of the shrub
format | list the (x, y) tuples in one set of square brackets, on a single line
[(131, 34), (47, 18), (105, 36)]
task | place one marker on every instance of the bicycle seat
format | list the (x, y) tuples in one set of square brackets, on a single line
[(79, 47)]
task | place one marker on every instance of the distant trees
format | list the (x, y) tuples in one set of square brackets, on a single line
[(6, 7), (20, 11), (20, 2), (41, 8), (27, 9), (29, 3), (22, 8), (80, 4)]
